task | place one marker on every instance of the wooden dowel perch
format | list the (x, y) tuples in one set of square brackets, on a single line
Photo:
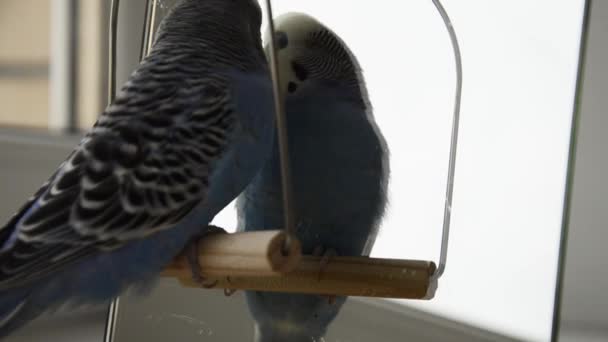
[(231, 264), (240, 254)]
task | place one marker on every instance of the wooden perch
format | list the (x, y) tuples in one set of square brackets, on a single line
[(240, 254), (241, 262)]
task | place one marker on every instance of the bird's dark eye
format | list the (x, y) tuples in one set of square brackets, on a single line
[(292, 87), (281, 39), (300, 71)]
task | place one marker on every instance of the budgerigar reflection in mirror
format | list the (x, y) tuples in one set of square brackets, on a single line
[(339, 163)]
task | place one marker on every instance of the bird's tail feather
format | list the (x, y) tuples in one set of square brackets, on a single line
[(13, 311)]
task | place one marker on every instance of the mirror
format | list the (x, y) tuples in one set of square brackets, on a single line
[(520, 66)]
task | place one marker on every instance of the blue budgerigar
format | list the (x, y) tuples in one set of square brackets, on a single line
[(184, 136), (339, 165)]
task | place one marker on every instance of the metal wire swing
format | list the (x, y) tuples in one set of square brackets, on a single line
[(272, 260)]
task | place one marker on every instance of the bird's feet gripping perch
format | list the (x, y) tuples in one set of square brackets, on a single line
[(326, 255), (192, 252)]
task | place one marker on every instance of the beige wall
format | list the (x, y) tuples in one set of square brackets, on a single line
[(24, 102), (24, 40), (25, 31), (92, 53)]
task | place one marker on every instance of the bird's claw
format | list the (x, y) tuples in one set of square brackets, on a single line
[(192, 257), (326, 255), (195, 266), (211, 230), (228, 291)]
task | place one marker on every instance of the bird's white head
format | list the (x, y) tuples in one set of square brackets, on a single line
[(308, 50)]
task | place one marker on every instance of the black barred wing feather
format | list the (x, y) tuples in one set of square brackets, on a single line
[(142, 168)]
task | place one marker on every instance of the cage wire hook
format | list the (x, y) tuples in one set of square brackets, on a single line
[(447, 211), (112, 50), (148, 31), (112, 319), (288, 208), (284, 150)]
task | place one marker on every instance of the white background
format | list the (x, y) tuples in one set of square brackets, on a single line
[(519, 60)]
